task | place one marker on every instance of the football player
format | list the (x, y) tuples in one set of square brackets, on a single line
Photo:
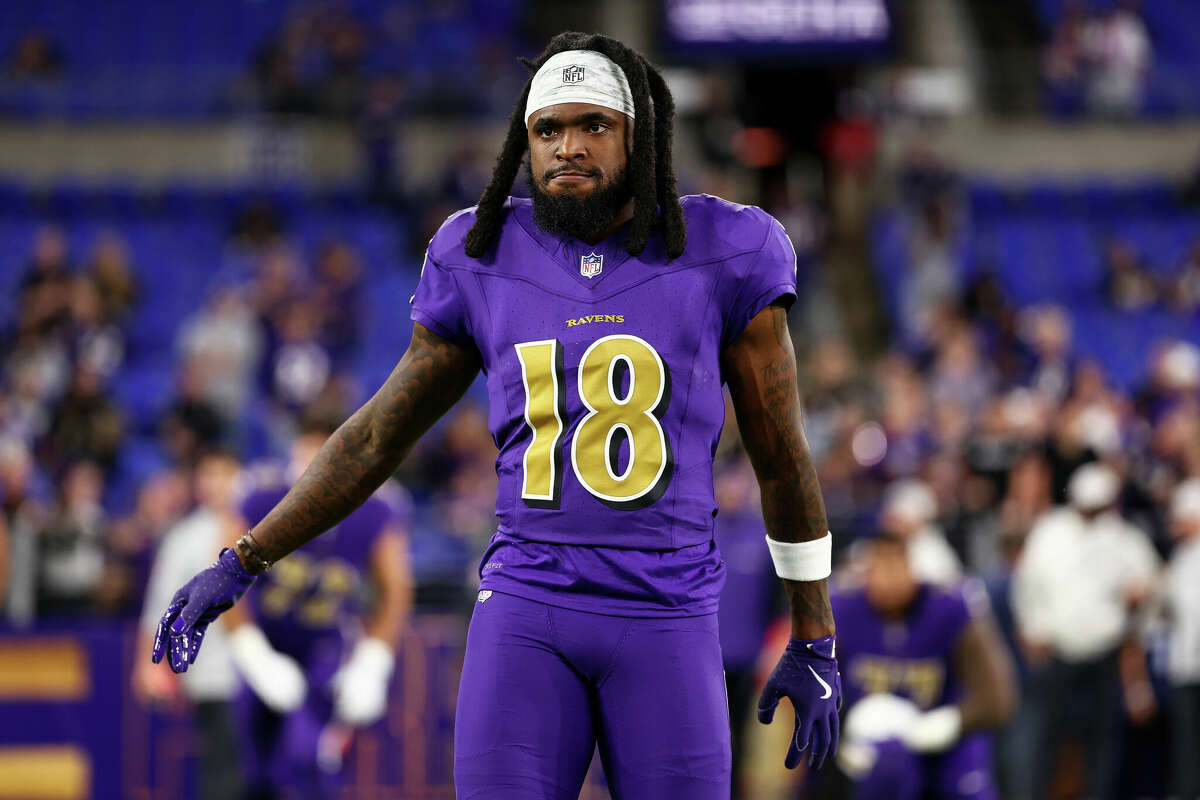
[(606, 312), (926, 676), (314, 641)]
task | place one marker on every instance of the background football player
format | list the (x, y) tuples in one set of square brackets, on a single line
[(315, 641), (926, 675)]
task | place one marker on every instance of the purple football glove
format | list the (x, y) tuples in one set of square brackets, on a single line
[(206, 596), (807, 674)]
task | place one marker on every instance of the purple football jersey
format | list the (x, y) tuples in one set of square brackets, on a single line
[(604, 387), (307, 603), (912, 657)]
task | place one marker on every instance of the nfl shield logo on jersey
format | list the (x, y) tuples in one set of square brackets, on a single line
[(590, 265), (573, 74)]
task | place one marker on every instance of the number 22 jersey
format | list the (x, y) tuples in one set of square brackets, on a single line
[(605, 399)]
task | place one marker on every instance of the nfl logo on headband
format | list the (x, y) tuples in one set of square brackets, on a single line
[(590, 265), (573, 74)]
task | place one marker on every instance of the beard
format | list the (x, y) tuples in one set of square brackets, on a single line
[(575, 215)]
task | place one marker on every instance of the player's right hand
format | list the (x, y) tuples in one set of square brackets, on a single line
[(206, 596), (276, 678)]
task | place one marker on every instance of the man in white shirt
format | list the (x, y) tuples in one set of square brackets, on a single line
[(1077, 589), (1183, 613), (209, 686)]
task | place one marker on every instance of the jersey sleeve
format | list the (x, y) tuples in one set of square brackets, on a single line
[(769, 276), (439, 305)]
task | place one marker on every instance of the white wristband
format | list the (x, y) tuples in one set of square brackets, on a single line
[(803, 561)]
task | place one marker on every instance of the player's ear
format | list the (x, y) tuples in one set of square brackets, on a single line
[(629, 123)]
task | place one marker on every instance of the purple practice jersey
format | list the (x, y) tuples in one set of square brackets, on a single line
[(307, 603), (604, 386), (911, 657)]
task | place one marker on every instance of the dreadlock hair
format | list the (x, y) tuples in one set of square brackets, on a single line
[(650, 172)]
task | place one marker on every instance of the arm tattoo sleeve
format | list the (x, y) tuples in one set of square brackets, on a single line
[(761, 370), (369, 446)]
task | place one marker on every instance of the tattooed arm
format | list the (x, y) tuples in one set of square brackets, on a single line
[(368, 447), (760, 367)]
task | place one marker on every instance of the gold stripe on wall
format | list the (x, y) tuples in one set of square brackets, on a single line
[(44, 773), (43, 668)]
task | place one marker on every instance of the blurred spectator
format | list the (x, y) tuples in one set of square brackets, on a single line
[(299, 366), (276, 281), (1117, 48), (339, 296), (1064, 65), (1083, 577), (24, 516), (339, 92), (71, 546), (908, 514), (906, 417), (276, 82), (996, 323), (1174, 379), (86, 423), (25, 415), (932, 280), (110, 272), (94, 340), (1046, 330), (210, 683), (834, 389), (1128, 285), (1184, 293), (46, 287), (1086, 427), (192, 423), (35, 56), (960, 377), (1183, 616), (257, 227), (222, 344), (1028, 498)]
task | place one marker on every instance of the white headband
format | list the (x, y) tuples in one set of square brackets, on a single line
[(579, 76)]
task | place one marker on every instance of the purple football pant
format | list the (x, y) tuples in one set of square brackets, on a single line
[(543, 685), (962, 773)]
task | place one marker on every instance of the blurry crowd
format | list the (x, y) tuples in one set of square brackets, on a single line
[(92, 475), (1098, 62), (1131, 284), (984, 438), (328, 61)]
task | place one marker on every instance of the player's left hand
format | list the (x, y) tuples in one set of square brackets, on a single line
[(360, 687), (807, 674)]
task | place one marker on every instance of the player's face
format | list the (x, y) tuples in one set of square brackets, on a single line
[(890, 583), (577, 169), (578, 148)]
